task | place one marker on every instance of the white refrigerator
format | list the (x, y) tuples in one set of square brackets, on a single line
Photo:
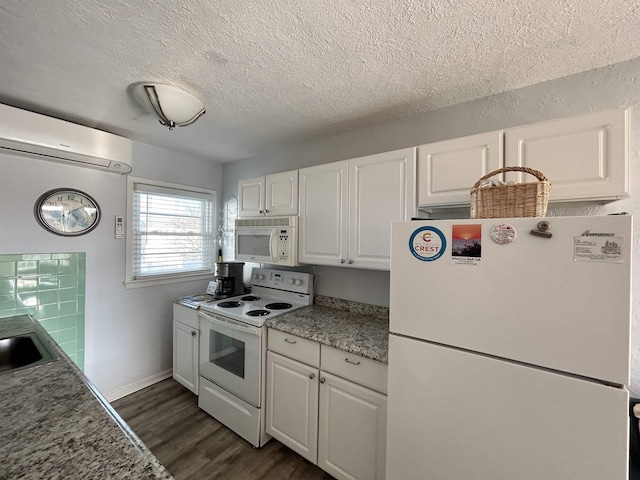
[(509, 349)]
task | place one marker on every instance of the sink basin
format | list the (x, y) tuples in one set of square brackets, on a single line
[(23, 351)]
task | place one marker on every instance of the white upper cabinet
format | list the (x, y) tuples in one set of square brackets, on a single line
[(324, 214), (251, 197), (381, 191), (584, 157), (281, 193), (272, 195), (346, 208), (447, 170)]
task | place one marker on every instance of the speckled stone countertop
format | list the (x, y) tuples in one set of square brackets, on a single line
[(54, 423), (350, 326)]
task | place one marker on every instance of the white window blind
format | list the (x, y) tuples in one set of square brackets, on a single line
[(172, 231)]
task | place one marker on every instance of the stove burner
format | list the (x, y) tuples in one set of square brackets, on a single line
[(257, 313), (278, 306), (250, 298), (229, 304)]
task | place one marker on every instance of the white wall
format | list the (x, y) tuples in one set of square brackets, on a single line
[(608, 87), (128, 332)]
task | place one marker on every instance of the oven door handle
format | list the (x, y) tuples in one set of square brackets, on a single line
[(231, 324)]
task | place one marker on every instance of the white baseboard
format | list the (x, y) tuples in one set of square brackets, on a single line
[(139, 385)]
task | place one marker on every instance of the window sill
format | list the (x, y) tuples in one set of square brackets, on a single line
[(152, 282)]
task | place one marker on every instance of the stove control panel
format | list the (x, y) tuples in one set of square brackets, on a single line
[(299, 282)]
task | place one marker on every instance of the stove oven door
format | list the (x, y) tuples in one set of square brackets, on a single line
[(231, 355)]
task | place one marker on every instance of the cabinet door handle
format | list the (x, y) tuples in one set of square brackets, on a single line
[(266, 211), (193, 333), (260, 211), (322, 380), (342, 260), (350, 262), (292, 342), (312, 376), (351, 361)]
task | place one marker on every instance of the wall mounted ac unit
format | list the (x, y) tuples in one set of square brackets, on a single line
[(47, 138)]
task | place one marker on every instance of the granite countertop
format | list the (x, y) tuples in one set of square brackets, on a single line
[(55, 424), (350, 326)]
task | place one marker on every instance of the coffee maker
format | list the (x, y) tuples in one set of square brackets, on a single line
[(228, 276)]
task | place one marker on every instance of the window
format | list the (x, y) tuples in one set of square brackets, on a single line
[(170, 232)]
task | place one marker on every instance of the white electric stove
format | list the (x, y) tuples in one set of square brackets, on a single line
[(233, 348), (274, 292)]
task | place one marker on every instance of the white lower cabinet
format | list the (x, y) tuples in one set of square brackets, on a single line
[(352, 429), (185, 346), (323, 410), (292, 404)]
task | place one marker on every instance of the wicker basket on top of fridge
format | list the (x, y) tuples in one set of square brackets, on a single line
[(494, 199)]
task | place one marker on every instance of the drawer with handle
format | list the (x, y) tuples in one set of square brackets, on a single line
[(186, 315), (366, 372), (292, 346)]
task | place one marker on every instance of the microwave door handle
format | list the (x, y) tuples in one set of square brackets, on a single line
[(231, 325)]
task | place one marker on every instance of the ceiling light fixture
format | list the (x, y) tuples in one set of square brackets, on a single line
[(172, 105)]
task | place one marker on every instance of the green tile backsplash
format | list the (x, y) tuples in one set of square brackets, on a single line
[(49, 287)]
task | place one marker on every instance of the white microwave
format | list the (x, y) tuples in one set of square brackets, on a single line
[(271, 240)]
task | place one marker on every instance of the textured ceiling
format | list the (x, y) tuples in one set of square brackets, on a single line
[(273, 73)]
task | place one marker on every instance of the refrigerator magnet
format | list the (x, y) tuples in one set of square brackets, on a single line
[(466, 244), (427, 244), (503, 233), (598, 247)]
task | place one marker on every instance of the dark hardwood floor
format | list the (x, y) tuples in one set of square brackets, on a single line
[(193, 445)]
